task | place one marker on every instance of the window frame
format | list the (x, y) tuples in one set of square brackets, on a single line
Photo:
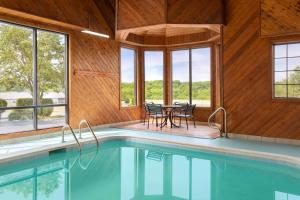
[(125, 46), (35, 106), (282, 42), (164, 71), (190, 48)]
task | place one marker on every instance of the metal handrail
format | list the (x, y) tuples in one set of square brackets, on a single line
[(89, 126), (225, 121), (64, 128)]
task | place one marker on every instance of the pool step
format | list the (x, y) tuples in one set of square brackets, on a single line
[(55, 151)]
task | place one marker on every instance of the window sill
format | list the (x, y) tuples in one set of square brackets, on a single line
[(204, 108), (129, 108), (285, 100), (30, 133)]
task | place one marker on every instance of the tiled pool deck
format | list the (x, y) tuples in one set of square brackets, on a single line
[(20, 146)]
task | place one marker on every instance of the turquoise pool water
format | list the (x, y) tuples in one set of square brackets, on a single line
[(138, 171)]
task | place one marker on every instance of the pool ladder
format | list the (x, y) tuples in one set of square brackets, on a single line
[(81, 123), (63, 130), (213, 125)]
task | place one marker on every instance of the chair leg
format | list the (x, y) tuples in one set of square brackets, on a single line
[(194, 122), (156, 121), (152, 120), (187, 125), (179, 121), (148, 121), (145, 118), (161, 123)]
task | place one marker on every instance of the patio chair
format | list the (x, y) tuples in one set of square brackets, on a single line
[(187, 113), (146, 111), (156, 111), (179, 110)]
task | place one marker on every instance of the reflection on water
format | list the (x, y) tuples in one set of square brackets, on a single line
[(131, 171), (42, 182)]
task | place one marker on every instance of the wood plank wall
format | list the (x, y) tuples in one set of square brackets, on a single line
[(132, 13), (95, 96), (187, 12), (280, 17), (247, 77)]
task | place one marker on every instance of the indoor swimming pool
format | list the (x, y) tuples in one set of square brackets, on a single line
[(128, 170)]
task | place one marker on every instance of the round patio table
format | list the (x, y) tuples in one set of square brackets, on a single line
[(169, 109)]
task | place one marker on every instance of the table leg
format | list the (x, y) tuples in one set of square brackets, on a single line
[(165, 123), (171, 119)]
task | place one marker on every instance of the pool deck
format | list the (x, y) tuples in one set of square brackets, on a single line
[(274, 151)]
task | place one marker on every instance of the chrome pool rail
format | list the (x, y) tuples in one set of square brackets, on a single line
[(212, 125), (84, 121), (64, 128)]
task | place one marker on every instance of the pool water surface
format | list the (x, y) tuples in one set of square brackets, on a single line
[(139, 171)]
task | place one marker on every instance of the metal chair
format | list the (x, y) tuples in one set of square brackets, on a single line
[(156, 111), (187, 113), (147, 111), (179, 110)]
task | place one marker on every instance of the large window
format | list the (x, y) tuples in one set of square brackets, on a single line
[(286, 70), (128, 77), (154, 76), (33, 78), (191, 76)]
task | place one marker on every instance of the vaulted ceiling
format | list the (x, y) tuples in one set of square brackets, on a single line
[(168, 22)]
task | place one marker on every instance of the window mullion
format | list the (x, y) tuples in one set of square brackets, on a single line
[(190, 75), (135, 76), (287, 73), (66, 81), (35, 78)]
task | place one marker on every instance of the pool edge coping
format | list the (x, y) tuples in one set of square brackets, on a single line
[(279, 158)]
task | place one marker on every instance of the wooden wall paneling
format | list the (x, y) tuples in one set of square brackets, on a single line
[(247, 73), (280, 17), (195, 12), (96, 98), (97, 22), (132, 13), (67, 11), (108, 10)]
